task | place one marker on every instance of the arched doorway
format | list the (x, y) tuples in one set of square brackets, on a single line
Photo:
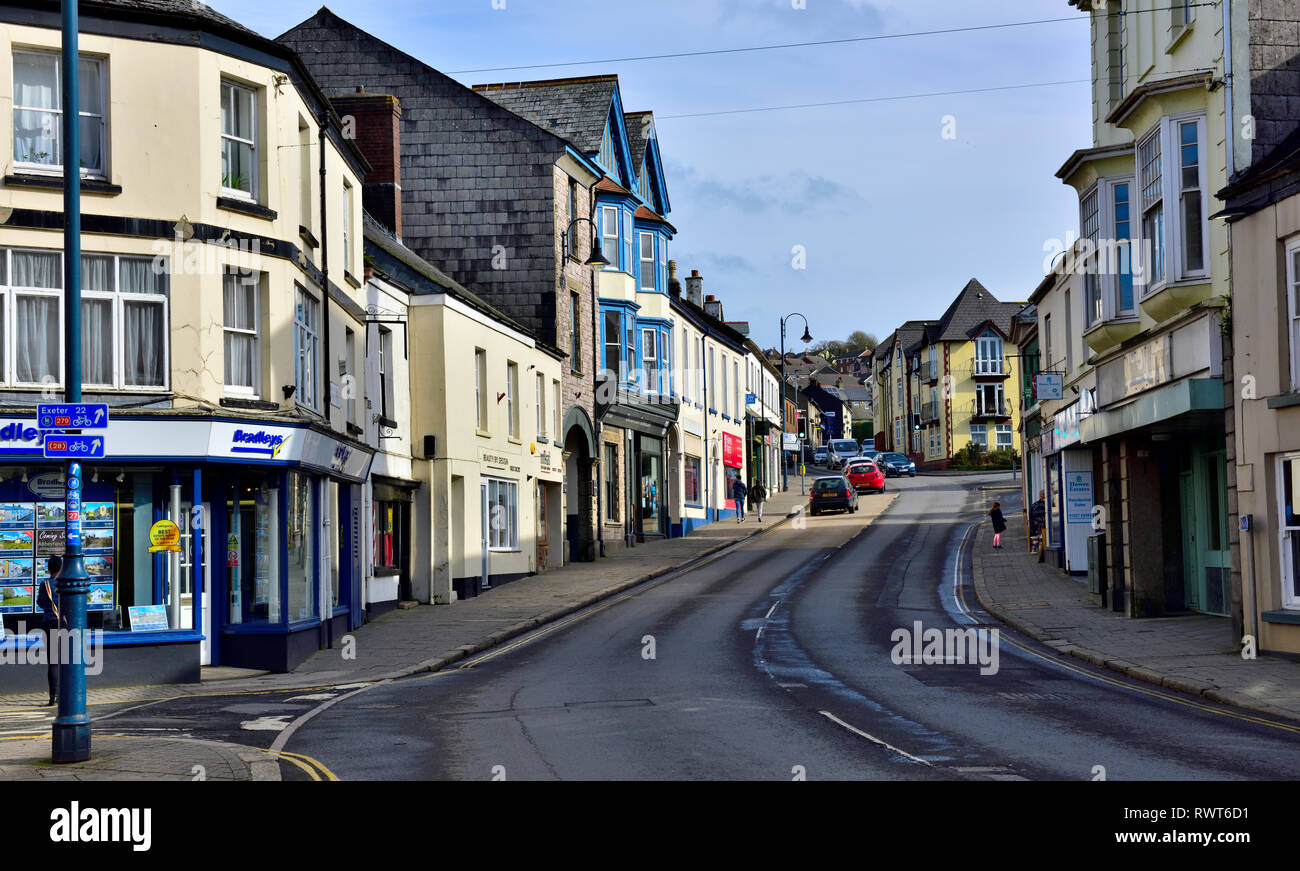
[(579, 450)]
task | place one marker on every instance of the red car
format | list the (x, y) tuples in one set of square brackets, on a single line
[(865, 475)]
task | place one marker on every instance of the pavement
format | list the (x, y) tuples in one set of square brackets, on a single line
[(1191, 653), (397, 644)]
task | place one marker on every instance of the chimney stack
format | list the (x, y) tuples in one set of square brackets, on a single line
[(695, 288), (376, 122), (713, 306), (674, 285)]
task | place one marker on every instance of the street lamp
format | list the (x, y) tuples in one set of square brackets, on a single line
[(806, 338), (70, 738), (597, 258)]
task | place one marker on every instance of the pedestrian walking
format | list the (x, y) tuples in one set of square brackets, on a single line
[(738, 493), (51, 619), (759, 493), (1038, 514), (999, 524)]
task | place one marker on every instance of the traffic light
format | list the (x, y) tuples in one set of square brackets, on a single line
[(803, 428)]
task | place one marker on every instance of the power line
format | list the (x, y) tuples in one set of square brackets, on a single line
[(877, 99), (909, 35)]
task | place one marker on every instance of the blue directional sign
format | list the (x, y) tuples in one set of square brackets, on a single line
[(72, 513), (72, 416), (73, 447)]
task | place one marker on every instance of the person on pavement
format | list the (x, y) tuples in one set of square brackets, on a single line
[(759, 492), (738, 493), (50, 621), (1038, 514), (999, 524)]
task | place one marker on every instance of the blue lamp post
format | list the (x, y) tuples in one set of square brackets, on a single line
[(71, 736)]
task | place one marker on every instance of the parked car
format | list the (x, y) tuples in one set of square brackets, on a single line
[(832, 493), (865, 475), (897, 465), (841, 450), (819, 455), (870, 454)]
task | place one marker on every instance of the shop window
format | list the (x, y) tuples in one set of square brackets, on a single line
[(252, 549), (1289, 517), (389, 531), (611, 483), (691, 481), (503, 520), (300, 530)]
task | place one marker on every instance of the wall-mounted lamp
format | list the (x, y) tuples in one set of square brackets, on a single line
[(289, 390), (94, 479), (121, 476)]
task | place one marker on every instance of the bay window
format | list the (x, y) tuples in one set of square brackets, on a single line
[(650, 359), (240, 327), (306, 331), (1123, 296), (1153, 215), (648, 275), (609, 217), (1176, 248), (38, 112), (614, 345), (238, 141), (1090, 230), (988, 355), (629, 258)]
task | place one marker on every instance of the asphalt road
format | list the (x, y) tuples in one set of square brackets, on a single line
[(773, 662)]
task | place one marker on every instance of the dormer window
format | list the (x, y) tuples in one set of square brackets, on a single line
[(988, 354)]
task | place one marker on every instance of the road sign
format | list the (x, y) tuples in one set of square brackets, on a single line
[(73, 447), (751, 398), (72, 416)]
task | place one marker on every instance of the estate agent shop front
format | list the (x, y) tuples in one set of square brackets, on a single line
[(270, 510)]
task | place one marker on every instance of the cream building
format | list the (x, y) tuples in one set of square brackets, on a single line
[(221, 244), (484, 420)]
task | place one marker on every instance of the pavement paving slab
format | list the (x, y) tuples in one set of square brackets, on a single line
[(1191, 653)]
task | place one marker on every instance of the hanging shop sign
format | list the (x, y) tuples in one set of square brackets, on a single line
[(733, 451)]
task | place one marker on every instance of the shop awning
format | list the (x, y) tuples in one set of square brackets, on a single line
[(1164, 404)]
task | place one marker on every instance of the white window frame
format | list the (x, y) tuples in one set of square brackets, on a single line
[(57, 169), (118, 301), (1167, 133), (347, 226), (609, 221), (987, 363), (643, 239), (239, 389), (512, 399), (1289, 572), (503, 538), (650, 358), (555, 408), (1293, 308), (629, 252), (541, 405), (1090, 230), (254, 182), (983, 429), (999, 430), (306, 348), (480, 389), (1155, 139)]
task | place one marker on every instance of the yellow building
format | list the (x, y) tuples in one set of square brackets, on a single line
[(222, 322), (944, 384)]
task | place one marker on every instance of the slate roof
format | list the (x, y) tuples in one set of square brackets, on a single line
[(197, 12), (574, 108), (973, 307), (636, 140)]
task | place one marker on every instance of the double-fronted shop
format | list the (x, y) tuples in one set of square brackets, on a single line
[(270, 567)]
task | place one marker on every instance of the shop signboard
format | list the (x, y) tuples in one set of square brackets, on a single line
[(148, 618), (1049, 385), (733, 451), (1078, 497)]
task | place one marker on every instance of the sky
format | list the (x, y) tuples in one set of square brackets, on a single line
[(858, 216)]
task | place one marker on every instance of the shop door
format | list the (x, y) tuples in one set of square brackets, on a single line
[(1215, 559), (651, 513), (484, 511), (1192, 583), (543, 543), (189, 548)]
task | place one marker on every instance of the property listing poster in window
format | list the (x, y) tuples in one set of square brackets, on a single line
[(17, 544), (98, 538)]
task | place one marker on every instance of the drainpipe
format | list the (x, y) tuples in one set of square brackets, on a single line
[(325, 278), (595, 389), (1230, 134)]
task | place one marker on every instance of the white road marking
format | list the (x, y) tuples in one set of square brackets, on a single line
[(266, 724), (856, 731), (313, 697)]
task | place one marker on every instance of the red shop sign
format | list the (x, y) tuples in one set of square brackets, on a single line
[(733, 452)]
